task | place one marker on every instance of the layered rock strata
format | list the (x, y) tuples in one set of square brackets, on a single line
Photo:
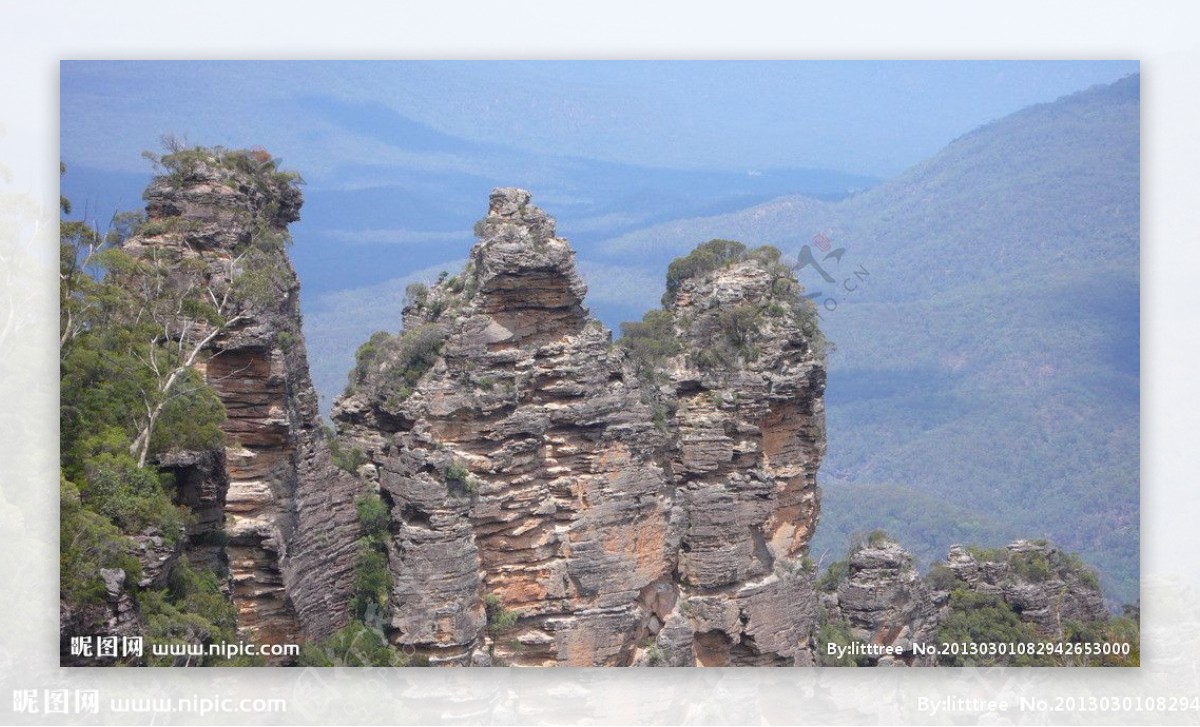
[(746, 392), (201, 485), (551, 506), (271, 505)]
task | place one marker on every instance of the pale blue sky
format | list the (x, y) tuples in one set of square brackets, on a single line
[(872, 118)]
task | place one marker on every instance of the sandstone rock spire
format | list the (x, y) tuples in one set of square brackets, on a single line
[(218, 221), (551, 505)]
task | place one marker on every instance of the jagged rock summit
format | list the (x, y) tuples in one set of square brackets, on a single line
[(554, 502)]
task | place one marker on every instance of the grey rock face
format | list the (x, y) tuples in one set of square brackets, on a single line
[(157, 556), (526, 276), (201, 485), (114, 581), (117, 616)]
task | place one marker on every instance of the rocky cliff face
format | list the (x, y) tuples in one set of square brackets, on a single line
[(271, 505), (553, 504)]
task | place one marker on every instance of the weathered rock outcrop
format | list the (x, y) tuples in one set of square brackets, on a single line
[(884, 601), (880, 599), (551, 506), (1043, 584), (117, 616), (201, 485), (271, 505)]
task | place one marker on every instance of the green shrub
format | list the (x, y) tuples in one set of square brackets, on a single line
[(983, 618), (412, 354), (716, 254), (836, 632), (456, 284), (775, 310), (131, 497), (707, 257), (346, 459), (355, 645), (661, 422), (499, 618), (988, 555), (457, 471), (459, 479), (1119, 630), (183, 164), (941, 577), (394, 364), (88, 542), (809, 322), (106, 386), (834, 575), (191, 418), (416, 294), (1031, 566), (767, 255), (161, 226), (1089, 578), (1070, 563), (651, 340), (472, 284), (372, 576), (877, 538), (730, 339), (654, 655), (190, 610), (740, 325), (367, 356), (372, 579), (373, 515), (198, 591)]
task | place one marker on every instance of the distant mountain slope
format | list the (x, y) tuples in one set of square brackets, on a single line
[(988, 359)]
